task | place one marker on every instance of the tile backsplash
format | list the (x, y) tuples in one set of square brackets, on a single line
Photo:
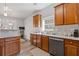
[(65, 29)]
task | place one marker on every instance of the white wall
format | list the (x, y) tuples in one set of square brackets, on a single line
[(20, 23), (28, 27)]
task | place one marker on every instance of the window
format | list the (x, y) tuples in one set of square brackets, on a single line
[(48, 24)]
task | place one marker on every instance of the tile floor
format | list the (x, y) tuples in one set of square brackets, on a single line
[(29, 50)]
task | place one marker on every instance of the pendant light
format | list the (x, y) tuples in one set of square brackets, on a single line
[(5, 9)]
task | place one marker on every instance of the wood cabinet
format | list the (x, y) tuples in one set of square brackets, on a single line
[(71, 48), (37, 21), (45, 43), (70, 13), (66, 14), (78, 12), (59, 15), (1, 46), (10, 46), (33, 39), (39, 41)]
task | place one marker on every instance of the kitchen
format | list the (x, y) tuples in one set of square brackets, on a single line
[(50, 29)]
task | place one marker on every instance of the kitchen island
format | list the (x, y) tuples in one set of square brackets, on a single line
[(9, 46)]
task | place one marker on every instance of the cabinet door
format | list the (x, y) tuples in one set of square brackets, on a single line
[(12, 46), (1, 50), (36, 21), (59, 15), (1, 46), (78, 11), (39, 41), (71, 50), (34, 40), (31, 39), (45, 43), (70, 13)]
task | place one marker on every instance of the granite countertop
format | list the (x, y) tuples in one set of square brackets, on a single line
[(60, 36), (65, 37), (8, 36)]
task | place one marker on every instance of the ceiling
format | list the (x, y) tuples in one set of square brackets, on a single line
[(21, 10)]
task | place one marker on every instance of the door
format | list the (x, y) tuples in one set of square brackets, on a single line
[(70, 13), (39, 41), (45, 43), (71, 50), (59, 15)]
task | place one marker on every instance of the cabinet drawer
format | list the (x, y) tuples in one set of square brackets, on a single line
[(12, 39), (34, 36), (38, 36), (44, 37), (72, 42)]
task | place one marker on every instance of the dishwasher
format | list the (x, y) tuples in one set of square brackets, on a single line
[(56, 46)]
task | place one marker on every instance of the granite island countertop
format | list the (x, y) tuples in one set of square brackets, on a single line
[(7, 34)]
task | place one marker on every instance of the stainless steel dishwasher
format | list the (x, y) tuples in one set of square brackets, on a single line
[(56, 46)]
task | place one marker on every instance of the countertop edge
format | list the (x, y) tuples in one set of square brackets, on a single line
[(59, 36)]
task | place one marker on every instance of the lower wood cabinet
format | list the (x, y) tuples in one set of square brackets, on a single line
[(1, 46), (10, 46), (39, 42), (71, 48), (45, 43), (33, 39)]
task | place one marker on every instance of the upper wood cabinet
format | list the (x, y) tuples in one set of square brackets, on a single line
[(59, 14), (66, 14), (70, 13), (78, 12), (37, 21)]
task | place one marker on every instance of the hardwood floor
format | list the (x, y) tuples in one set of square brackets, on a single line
[(29, 50)]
